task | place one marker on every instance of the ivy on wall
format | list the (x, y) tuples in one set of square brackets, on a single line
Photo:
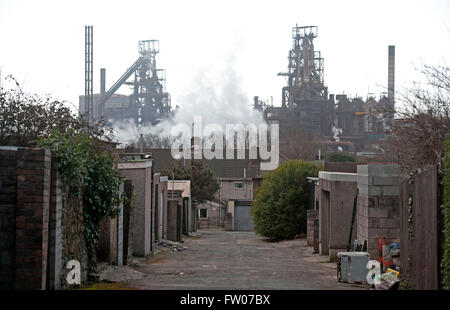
[(88, 173)]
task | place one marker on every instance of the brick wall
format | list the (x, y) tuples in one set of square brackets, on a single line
[(8, 181), (340, 167), (41, 225), (32, 216)]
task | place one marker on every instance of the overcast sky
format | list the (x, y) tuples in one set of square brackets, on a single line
[(42, 42)]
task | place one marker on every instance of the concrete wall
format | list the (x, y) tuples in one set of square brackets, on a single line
[(338, 190), (160, 216), (139, 172), (110, 244), (377, 213), (312, 215), (378, 204), (230, 210), (128, 213), (185, 186), (56, 230)]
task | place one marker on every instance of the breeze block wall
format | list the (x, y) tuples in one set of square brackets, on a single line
[(378, 204)]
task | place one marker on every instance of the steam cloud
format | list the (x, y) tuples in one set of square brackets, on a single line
[(215, 96)]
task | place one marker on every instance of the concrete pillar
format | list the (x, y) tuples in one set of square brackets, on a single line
[(378, 204), (324, 222)]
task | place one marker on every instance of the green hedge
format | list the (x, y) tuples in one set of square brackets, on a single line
[(279, 208)]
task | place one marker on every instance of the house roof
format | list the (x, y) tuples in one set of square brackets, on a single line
[(162, 159), (222, 168), (234, 168)]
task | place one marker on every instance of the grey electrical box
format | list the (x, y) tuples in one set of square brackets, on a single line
[(352, 266)]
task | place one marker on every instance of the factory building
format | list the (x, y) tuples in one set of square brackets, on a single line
[(342, 123), (117, 107), (148, 104)]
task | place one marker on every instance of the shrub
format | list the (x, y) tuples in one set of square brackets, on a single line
[(339, 157), (279, 208)]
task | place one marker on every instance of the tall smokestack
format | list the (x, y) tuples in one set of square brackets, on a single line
[(391, 74), (102, 81), (102, 91)]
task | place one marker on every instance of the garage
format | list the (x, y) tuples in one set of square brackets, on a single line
[(243, 221)]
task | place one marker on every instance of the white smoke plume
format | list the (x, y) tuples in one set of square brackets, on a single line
[(336, 132), (216, 96)]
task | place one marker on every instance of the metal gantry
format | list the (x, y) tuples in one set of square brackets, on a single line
[(150, 99), (149, 103), (305, 68), (88, 73)]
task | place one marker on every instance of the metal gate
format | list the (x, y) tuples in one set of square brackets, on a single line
[(242, 218)]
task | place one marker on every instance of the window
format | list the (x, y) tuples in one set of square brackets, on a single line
[(239, 185), (202, 213)]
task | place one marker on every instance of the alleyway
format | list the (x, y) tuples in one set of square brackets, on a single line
[(237, 260)]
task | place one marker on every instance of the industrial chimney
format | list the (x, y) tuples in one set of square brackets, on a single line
[(391, 74), (102, 81), (101, 108)]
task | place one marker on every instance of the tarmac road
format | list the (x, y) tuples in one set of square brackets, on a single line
[(237, 260)]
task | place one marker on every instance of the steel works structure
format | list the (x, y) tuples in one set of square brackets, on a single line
[(148, 104), (342, 123), (304, 100), (88, 73)]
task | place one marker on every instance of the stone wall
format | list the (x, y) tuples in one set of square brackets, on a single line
[(73, 243)]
